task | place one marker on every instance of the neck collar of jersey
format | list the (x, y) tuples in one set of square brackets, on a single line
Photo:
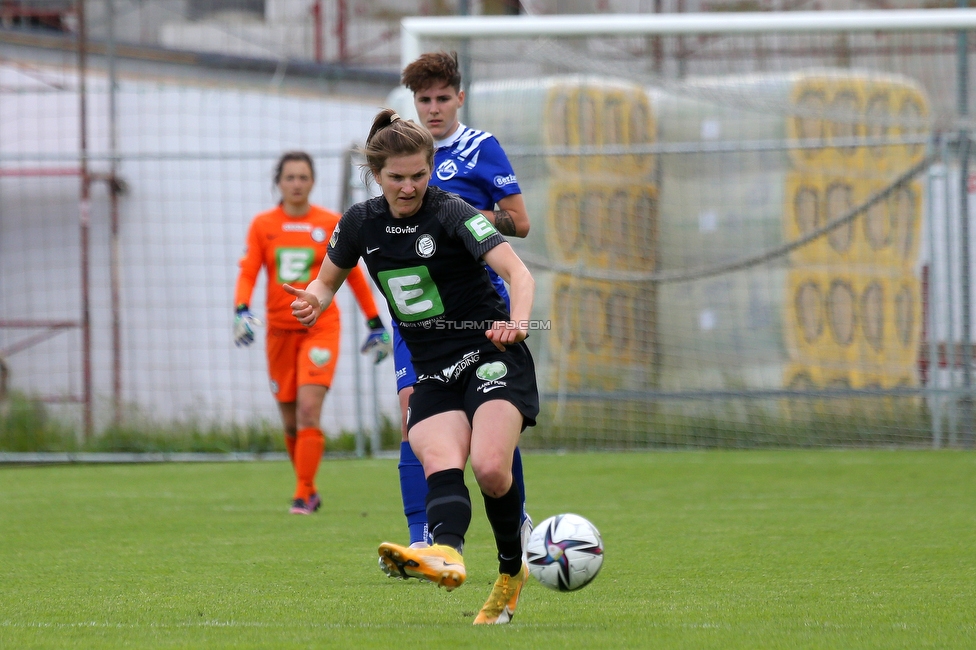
[(451, 139)]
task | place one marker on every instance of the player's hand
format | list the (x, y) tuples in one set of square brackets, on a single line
[(378, 343), (305, 307), (506, 332), (244, 324)]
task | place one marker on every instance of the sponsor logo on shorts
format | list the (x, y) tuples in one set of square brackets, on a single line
[(320, 356), (454, 371), (425, 246), (274, 387), (489, 386), (491, 371), (502, 181)]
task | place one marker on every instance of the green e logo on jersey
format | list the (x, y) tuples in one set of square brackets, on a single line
[(294, 264), (412, 293), (480, 227)]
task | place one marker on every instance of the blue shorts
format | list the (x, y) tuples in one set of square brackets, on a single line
[(405, 374)]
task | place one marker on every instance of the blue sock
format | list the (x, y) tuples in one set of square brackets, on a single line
[(519, 477), (413, 489)]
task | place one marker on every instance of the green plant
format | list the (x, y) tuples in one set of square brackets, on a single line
[(26, 427)]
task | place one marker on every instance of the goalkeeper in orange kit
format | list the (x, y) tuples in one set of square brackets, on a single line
[(290, 242)]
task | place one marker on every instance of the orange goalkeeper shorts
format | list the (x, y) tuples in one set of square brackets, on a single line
[(300, 357)]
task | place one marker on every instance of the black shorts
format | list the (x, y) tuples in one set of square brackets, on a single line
[(508, 375)]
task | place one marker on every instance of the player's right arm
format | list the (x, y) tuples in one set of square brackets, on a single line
[(510, 267), (318, 295), (510, 216), (250, 266)]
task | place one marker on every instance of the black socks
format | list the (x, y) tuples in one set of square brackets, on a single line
[(449, 507), (505, 517)]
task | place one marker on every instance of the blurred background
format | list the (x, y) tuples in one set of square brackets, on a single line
[(742, 236)]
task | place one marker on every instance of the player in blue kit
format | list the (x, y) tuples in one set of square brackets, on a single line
[(471, 164)]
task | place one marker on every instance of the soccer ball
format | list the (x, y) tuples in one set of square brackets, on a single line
[(565, 552)]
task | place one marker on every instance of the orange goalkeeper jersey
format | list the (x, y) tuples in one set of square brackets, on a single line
[(291, 249)]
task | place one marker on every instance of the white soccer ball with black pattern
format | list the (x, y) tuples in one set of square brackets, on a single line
[(565, 552)]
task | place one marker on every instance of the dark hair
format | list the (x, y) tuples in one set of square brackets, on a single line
[(431, 67), (392, 135), (290, 156)]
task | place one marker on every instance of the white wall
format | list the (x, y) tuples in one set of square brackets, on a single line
[(197, 162)]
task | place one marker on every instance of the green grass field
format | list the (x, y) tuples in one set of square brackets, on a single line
[(771, 549)]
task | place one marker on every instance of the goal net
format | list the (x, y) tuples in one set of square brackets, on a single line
[(745, 230)]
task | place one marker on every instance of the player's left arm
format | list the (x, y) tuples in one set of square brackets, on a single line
[(510, 267), (509, 217)]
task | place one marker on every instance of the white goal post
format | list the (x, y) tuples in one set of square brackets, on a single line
[(414, 30)]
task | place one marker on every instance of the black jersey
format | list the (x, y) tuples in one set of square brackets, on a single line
[(429, 268)]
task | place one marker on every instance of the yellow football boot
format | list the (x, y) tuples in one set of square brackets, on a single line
[(439, 564), (500, 606)]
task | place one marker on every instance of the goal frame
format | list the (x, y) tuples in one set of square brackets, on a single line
[(418, 32), (414, 30)]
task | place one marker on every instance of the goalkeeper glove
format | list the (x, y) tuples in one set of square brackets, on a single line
[(378, 343), (244, 324)]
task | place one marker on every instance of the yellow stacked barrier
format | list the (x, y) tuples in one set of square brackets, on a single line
[(867, 266), (601, 337), (596, 223), (847, 304), (596, 213), (854, 321), (887, 235), (891, 106)]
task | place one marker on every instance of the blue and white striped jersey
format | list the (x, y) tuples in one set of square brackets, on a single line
[(474, 166)]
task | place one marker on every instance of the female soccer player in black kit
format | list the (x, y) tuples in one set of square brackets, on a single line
[(476, 388)]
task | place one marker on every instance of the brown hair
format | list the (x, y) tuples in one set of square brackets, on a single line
[(392, 135), (291, 156), (432, 67)]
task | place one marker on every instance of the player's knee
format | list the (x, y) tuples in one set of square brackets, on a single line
[(493, 477), (308, 416), (312, 432)]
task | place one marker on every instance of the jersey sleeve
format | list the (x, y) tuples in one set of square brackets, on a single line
[(501, 179), (466, 223), (249, 265), (364, 296), (344, 245)]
